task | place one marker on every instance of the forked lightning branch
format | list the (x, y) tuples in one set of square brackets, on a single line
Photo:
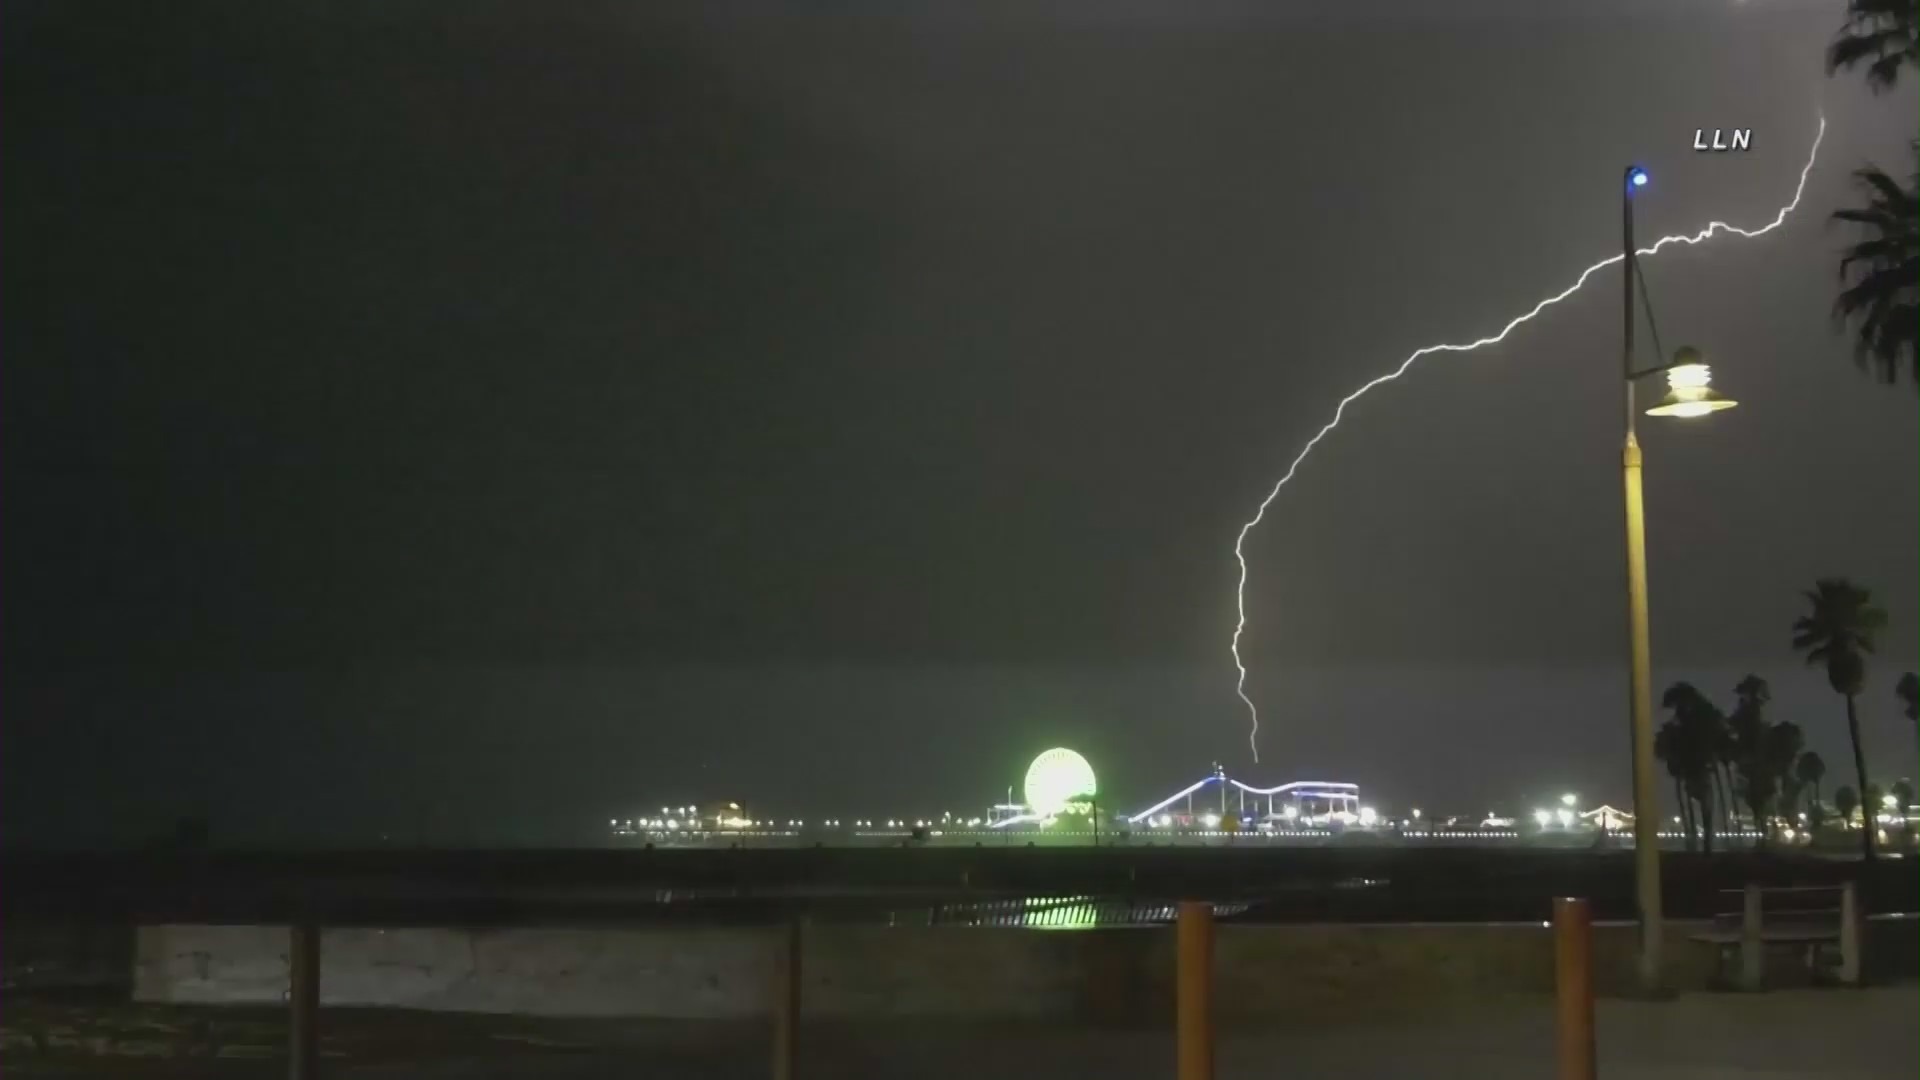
[(1340, 410)]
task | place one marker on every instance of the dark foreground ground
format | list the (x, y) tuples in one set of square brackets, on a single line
[(1781, 1035)]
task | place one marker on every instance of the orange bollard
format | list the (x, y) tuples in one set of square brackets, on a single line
[(1573, 986), (1193, 991)]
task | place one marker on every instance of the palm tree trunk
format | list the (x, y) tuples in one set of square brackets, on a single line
[(1686, 814), (1860, 771), (1706, 821)]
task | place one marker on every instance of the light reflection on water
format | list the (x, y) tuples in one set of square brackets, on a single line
[(1063, 913)]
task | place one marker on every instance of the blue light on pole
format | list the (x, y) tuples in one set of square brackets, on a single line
[(1637, 177)]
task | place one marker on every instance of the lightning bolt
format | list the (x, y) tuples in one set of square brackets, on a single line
[(1239, 544)]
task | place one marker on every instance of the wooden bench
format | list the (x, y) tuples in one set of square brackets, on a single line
[(1819, 920)]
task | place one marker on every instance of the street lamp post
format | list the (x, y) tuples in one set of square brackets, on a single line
[(1646, 817), (1689, 395)]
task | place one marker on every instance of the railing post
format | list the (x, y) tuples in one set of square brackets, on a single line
[(786, 1003), (1193, 991), (303, 1002), (1850, 934), (1751, 973), (1573, 986)]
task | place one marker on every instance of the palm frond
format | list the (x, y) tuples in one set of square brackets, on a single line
[(1881, 276), (1882, 34)]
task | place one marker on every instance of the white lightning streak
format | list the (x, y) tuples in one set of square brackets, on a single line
[(1239, 545)]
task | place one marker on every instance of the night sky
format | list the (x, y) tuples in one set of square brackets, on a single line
[(469, 422)]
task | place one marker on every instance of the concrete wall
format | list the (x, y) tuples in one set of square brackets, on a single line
[(1305, 973)]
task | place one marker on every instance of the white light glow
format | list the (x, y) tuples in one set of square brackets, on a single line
[(1543, 818), (1689, 377), (1239, 544)]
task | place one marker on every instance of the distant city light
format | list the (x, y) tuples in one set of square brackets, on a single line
[(1543, 818), (1211, 821), (1367, 816), (1290, 813), (1566, 818), (1569, 799)]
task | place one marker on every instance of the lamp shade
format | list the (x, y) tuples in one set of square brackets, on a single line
[(1690, 391)]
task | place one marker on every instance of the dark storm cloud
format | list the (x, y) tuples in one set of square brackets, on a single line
[(585, 401)]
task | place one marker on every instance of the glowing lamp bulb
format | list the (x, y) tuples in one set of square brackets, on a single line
[(1690, 391), (1637, 177)]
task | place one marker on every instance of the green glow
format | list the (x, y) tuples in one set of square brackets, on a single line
[(1060, 913), (1057, 778)]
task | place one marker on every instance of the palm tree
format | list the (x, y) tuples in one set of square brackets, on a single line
[(1908, 691), (1880, 275), (1746, 743), (1763, 753), (1699, 732), (1725, 754), (1809, 770), (1787, 802), (1838, 634), (1844, 800), (1778, 750), (1883, 34), (1667, 746)]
